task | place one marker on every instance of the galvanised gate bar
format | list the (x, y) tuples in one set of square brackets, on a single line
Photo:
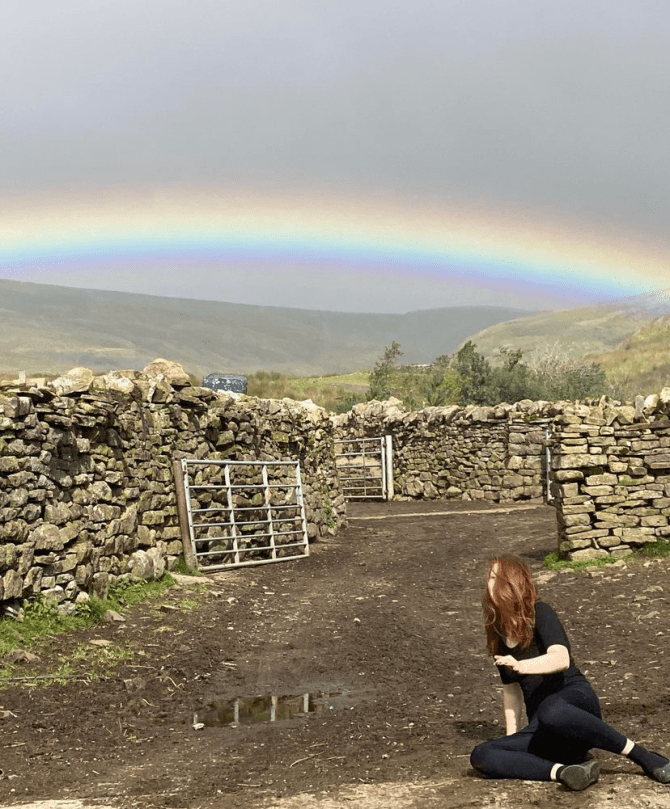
[(244, 513)]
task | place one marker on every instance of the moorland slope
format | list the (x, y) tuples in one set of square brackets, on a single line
[(50, 329), (595, 329), (641, 362)]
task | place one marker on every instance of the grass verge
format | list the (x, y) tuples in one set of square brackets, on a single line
[(41, 623), (658, 549)]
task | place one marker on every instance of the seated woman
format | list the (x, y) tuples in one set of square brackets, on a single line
[(530, 647)]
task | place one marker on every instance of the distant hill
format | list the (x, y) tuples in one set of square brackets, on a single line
[(576, 332), (50, 329), (641, 363)]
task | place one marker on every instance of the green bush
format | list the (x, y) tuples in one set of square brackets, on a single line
[(468, 378)]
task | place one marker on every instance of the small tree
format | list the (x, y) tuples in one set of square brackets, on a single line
[(381, 378), (475, 374)]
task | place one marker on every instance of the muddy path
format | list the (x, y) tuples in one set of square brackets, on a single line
[(381, 628)]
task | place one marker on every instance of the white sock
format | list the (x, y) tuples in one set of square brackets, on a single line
[(630, 744), (554, 770)]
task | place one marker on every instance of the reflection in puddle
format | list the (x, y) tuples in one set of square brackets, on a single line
[(253, 710)]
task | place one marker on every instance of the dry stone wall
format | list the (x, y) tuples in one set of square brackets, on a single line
[(611, 476), (473, 453), (87, 494), (608, 470)]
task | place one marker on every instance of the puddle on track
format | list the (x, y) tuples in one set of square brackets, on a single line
[(268, 708)]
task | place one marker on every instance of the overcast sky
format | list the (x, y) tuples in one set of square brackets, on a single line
[(561, 107)]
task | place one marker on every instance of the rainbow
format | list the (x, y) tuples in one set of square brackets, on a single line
[(407, 238)]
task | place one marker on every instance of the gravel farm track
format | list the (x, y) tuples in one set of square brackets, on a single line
[(385, 620)]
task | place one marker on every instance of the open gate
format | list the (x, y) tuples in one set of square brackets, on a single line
[(365, 467), (242, 513)]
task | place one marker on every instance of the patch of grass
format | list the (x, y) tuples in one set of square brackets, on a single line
[(329, 514), (182, 567), (553, 562), (127, 594), (86, 661), (41, 620), (659, 548), (187, 604)]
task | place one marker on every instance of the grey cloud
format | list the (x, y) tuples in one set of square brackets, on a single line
[(563, 106)]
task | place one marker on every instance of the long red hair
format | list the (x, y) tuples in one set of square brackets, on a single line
[(509, 609)]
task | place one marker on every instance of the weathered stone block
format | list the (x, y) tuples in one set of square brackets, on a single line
[(577, 500), (71, 531), (9, 466), (583, 508), (83, 575), (12, 585), (588, 553), (581, 461), (104, 513), (101, 491), (606, 479), (32, 581), (46, 537), (142, 565), (153, 518), (656, 521), (574, 544), (69, 562), (568, 475), (646, 494), (144, 536), (607, 518), (609, 541), (568, 490), (637, 536), (617, 467), (660, 461), (56, 513), (100, 585), (598, 491), (574, 519), (574, 449)]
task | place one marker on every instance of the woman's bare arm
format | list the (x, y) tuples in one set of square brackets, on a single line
[(556, 659), (513, 707)]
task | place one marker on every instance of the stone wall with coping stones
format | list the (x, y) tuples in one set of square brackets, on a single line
[(609, 471), (611, 476), (495, 454), (87, 493)]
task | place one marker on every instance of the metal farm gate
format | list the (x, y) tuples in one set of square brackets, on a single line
[(365, 467), (241, 513)]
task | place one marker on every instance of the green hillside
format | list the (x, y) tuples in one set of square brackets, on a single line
[(641, 363), (577, 332), (50, 329)]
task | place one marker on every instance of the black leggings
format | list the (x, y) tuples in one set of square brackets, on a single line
[(563, 730)]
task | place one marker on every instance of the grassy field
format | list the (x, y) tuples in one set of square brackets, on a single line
[(334, 392), (639, 364)]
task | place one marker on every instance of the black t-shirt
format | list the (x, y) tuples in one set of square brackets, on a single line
[(536, 687)]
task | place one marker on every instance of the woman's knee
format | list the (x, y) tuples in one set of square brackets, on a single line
[(481, 756), (551, 714)]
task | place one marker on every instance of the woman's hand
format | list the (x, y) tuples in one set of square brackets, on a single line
[(510, 662), (555, 660)]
